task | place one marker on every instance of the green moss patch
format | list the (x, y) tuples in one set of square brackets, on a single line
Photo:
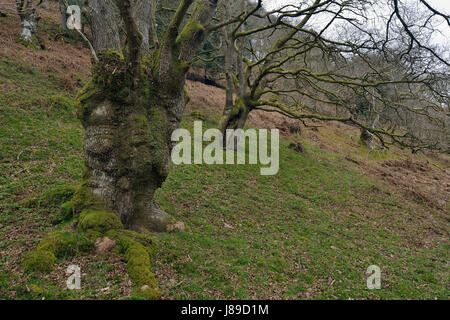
[(39, 261), (59, 103), (65, 244), (112, 75), (99, 220), (84, 199), (5, 278), (51, 198), (64, 214), (138, 268)]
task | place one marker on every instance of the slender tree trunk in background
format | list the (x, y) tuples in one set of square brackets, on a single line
[(238, 115), (243, 105), (29, 19), (229, 78), (155, 40), (129, 110), (63, 10), (374, 117), (235, 120), (229, 49), (143, 13), (102, 18), (235, 113)]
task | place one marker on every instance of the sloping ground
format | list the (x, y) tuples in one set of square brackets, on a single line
[(309, 232), (422, 177)]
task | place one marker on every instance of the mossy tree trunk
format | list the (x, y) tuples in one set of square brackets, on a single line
[(127, 142), (234, 119), (129, 110)]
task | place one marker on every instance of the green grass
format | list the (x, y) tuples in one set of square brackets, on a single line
[(309, 232)]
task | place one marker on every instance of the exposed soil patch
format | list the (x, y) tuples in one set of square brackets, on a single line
[(421, 181)]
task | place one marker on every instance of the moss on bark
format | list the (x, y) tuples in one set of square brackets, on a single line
[(99, 220)]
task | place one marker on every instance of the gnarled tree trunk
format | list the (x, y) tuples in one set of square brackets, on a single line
[(128, 141), (129, 111)]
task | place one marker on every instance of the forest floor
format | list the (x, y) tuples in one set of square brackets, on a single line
[(309, 232)]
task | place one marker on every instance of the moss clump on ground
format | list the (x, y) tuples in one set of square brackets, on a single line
[(84, 199), (36, 290), (5, 278), (39, 261), (57, 244), (32, 45), (65, 213), (31, 202), (94, 221), (58, 103), (58, 195), (99, 220), (52, 197), (147, 241), (66, 210), (65, 244), (138, 267)]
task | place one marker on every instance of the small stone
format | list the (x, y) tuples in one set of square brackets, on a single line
[(103, 245), (176, 227)]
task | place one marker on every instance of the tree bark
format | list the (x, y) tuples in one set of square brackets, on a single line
[(102, 17), (367, 138), (129, 111), (235, 113), (235, 119), (143, 14), (63, 10), (228, 53), (128, 143), (29, 19)]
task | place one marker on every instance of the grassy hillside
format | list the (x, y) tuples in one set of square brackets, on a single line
[(309, 232)]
